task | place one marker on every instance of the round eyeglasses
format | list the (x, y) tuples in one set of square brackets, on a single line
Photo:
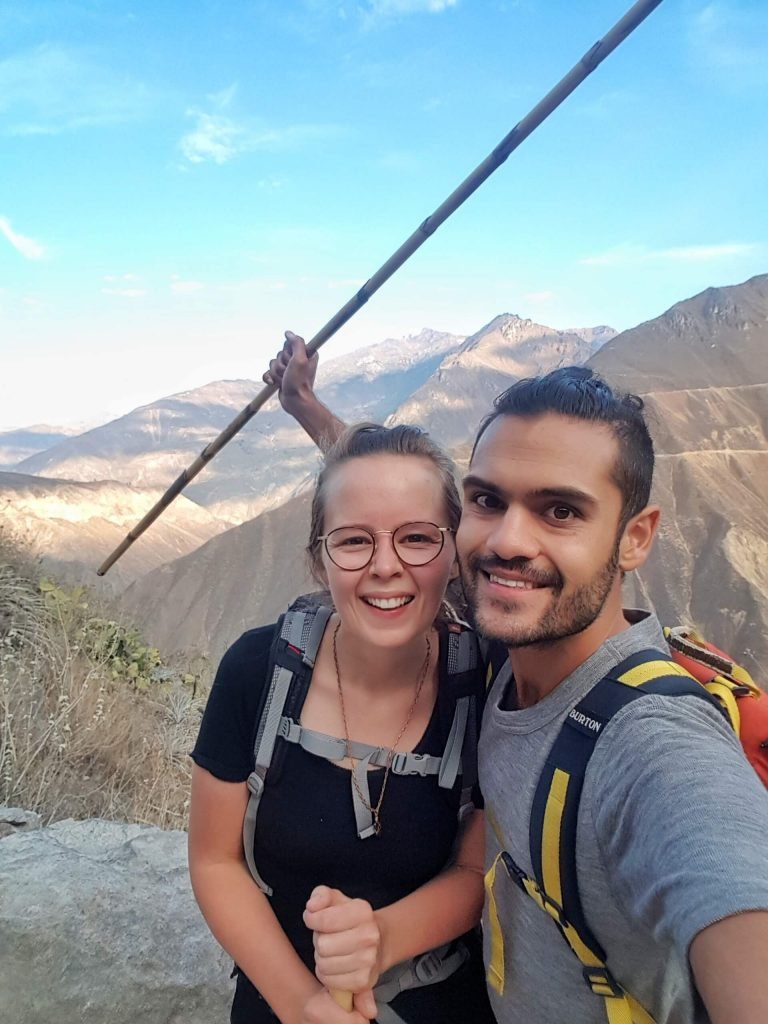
[(353, 547)]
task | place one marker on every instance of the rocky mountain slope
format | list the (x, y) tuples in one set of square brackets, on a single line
[(451, 403), (245, 577), (715, 339), (703, 369), (72, 526), (708, 567)]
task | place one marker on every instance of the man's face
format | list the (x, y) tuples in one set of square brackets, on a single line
[(538, 544)]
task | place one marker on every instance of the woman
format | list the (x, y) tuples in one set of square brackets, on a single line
[(380, 893)]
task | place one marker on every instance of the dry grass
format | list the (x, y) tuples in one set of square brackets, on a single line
[(78, 739)]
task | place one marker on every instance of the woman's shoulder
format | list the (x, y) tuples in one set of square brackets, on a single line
[(245, 662), (253, 643)]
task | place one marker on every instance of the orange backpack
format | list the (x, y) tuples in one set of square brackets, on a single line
[(742, 700)]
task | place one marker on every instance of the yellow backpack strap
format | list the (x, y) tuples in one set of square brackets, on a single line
[(495, 972), (724, 690)]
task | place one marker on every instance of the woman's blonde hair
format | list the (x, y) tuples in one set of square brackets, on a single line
[(365, 439)]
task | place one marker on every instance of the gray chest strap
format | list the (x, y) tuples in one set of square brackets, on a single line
[(427, 969), (446, 767)]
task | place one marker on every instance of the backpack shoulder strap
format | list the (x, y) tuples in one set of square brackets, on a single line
[(458, 693), (297, 639)]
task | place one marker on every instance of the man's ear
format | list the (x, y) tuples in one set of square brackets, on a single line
[(637, 540)]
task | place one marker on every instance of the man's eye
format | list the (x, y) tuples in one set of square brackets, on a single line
[(486, 501), (562, 513)]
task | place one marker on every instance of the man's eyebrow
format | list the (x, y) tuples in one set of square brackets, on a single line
[(570, 494), (477, 481)]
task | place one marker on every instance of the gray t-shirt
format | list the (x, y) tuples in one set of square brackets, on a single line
[(672, 836)]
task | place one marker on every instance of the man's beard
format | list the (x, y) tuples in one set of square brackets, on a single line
[(566, 615)]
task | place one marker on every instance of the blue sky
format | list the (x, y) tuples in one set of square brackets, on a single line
[(179, 182)]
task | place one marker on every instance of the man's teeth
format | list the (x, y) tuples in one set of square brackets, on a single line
[(388, 603), (512, 584)]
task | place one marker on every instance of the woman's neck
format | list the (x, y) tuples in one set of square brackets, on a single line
[(362, 667)]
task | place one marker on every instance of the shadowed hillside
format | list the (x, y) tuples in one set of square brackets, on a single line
[(71, 526)]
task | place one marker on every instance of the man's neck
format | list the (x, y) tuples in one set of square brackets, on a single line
[(541, 668)]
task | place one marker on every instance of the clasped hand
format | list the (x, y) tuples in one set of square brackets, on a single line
[(348, 948)]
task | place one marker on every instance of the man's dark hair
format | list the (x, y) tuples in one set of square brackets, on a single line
[(578, 392)]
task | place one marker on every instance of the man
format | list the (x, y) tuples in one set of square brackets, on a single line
[(672, 832)]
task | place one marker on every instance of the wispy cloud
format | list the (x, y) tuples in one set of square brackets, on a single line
[(387, 8), (52, 89), (633, 255), (730, 40), (366, 14), (124, 286), (219, 135), (179, 286), (125, 293), (28, 247)]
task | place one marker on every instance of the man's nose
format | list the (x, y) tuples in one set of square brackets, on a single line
[(514, 535)]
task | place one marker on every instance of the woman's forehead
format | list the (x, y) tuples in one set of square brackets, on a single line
[(383, 485)]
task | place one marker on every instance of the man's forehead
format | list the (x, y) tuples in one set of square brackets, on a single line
[(557, 449)]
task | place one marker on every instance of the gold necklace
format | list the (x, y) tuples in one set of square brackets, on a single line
[(376, 811)]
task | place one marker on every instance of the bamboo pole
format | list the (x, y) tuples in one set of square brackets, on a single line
[(581, 70)]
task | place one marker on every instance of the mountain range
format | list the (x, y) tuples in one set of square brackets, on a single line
[(271, 459), (702, 368), (262, 466)]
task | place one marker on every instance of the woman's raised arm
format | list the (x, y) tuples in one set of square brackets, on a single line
[(294, 373)]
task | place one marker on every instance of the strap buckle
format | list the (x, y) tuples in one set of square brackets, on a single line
[(517, 874), (255, 781), (602, 982), (426, 967), (532, 888), (400, 763)]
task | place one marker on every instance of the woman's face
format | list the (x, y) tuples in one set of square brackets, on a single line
[(387, 603)]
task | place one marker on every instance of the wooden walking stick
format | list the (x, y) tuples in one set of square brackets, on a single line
[(343, 998), (620, 31)]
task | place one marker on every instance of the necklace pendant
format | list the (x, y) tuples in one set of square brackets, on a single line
[(376, 823)]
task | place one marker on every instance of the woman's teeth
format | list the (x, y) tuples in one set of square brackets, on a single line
[(387, 603)]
